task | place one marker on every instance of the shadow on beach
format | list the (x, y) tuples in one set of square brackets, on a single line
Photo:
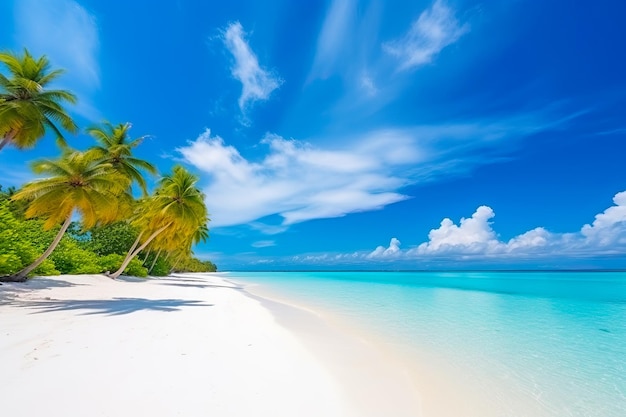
[(113, 307), (9, 290), (173, 283)]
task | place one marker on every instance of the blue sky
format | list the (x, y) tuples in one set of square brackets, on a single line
[(362, 134)]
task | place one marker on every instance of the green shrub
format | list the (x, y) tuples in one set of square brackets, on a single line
[(46, 268), (113, 261), (136, 269), (161, 267), (69, 258)]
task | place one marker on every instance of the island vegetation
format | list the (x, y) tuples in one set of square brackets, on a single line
[(90, 211)]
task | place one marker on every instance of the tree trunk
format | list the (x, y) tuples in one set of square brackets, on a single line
[(132, 254), (4, 142), (136, 242), (154, 262), (145, 259), (7, 138), (23, 274), (176, 264)]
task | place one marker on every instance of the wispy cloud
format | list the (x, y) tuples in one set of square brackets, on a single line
[(263, 244), (436, 28), (257, 82), (368, 86), (300, 182), (333, 38), (296, 180), (68, 34)]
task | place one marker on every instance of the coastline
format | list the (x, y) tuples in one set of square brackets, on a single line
[(429, 386), (192, 344)]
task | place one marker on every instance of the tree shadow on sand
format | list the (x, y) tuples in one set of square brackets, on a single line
[(113, 307), (11, 290), (192, 285)]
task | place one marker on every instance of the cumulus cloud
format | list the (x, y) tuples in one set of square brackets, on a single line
[(386, 252), (257, 82), (436, 28), (73, 48), (609, 227), (474, 238), (472, 235)]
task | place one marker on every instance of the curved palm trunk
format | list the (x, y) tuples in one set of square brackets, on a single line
[(145, 258), (131, 254), (154, 262), (136, 242), (7, 138), (176, 263), (23, 274)]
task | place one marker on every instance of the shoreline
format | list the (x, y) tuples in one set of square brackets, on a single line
[(190, 344), (438, 387)]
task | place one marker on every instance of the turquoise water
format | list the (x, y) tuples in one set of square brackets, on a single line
[(541, 343)]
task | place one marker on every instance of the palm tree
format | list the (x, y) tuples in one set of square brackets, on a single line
[(27, 108), (116, 147), (176, 208), (78, 183), (183, 250)]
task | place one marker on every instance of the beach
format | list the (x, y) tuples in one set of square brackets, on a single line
[(187, 345)]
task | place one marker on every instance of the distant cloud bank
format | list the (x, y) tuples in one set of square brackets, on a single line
[(474, 238)]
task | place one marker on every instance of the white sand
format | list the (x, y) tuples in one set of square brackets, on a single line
[(188, 346)]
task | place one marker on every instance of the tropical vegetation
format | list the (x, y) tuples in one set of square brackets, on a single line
[(28, 108), (81, 216)]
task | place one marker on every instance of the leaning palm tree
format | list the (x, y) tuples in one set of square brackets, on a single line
[(78, 184), (176, 208), (27, 107), (115, 147)]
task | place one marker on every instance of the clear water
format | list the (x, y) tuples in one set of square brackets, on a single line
[(541, 343)]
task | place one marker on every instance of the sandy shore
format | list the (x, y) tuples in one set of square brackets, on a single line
[(191, 345)]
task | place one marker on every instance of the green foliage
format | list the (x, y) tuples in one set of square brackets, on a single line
[(195, 265), (136, 269), (113, 261), (70, 258), (110, 262), (17, 246), (28, 108), (113, 238), (161, 268)]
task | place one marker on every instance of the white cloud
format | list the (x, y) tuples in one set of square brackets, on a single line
[(474, 238), (436, 28), (296, 180), (258, 83), (300, 182), (383, 252), (609, 227), (472, 235), (68, 34)]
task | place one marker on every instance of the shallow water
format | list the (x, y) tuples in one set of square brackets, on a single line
[(540, 343)]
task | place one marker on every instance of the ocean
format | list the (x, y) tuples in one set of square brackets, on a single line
[(534, 344)]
